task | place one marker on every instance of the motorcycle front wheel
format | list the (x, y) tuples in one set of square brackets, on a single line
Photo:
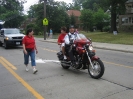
[(98, 70)]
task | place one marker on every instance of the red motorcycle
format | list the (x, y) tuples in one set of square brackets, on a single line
[(84, 56)]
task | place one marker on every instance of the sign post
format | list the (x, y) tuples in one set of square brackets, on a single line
[(45, 28)]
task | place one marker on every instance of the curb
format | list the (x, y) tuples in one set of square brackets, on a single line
[(48, 41), (96, 47), (113, 49)]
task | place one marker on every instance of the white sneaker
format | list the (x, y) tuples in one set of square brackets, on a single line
[(27, 69), (65, 57), (35, 70)]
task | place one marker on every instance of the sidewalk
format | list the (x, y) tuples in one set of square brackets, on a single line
[(107, 46)]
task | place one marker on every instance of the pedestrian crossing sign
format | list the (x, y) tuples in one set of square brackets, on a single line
[(45, 21)]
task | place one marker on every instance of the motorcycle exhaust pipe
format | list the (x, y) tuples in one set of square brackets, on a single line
[(65, 64)]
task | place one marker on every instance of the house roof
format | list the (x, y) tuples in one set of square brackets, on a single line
[(73, 12)]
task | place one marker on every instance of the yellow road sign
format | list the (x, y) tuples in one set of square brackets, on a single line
[(45, 21)]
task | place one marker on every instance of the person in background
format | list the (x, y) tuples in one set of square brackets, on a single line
[(29, 49), (47, 34), (51, 33), (61, 40)]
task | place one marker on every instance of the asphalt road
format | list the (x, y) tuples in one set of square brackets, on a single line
[(53, 82)]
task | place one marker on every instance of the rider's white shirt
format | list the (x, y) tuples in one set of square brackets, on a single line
[(73, 36)]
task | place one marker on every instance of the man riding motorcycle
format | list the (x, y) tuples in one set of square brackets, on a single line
[(68, 40), (80, 54)]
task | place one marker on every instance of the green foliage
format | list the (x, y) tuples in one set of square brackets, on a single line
[(34, 27), (40, 33), (106, 29), (72, 20), (101, 19), (57, 17), (87, 19), (116, 7), (11, 12)]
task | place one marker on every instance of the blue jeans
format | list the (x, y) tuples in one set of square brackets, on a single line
[(32, 56)]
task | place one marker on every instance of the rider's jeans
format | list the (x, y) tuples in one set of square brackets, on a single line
[(32, 56), (71, 56), (70, 53)]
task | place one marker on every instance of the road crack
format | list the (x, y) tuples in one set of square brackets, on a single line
[(115, 93), (127, 88)]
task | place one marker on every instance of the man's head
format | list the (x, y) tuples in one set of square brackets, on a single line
[(71, 29)]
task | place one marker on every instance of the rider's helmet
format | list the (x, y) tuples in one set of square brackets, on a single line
[(71, 26)]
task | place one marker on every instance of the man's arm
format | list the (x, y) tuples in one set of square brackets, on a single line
[(36, 49), (59, 40), (66, 40)]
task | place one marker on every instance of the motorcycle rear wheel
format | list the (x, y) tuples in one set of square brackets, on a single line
[(98, 70)]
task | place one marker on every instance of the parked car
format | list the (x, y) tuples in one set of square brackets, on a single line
[(10, 37)]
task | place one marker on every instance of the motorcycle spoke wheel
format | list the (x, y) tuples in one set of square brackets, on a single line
[(98, 69)]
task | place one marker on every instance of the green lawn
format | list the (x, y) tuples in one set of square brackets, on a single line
[(104, 37), (120, 38)]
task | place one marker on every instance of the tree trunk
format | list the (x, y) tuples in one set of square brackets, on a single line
[(113, 18)]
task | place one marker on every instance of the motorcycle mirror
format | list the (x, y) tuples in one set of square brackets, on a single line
[(90, 39)]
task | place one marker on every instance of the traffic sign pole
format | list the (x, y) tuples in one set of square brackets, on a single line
[(45, 27)]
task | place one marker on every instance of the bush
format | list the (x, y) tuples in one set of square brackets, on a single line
[(40, 33), (34, 27), (106, 29)]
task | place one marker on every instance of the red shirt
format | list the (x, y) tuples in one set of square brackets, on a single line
[(29, 42), (61, 38)]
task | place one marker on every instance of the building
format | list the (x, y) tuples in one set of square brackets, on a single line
[(126, 21), (76, 14)]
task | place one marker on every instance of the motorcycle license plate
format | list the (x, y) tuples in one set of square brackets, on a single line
[(17, 43)]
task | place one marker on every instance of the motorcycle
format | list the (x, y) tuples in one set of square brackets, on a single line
[(84, 56)]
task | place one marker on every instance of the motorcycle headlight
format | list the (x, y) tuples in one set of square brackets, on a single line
[(87, 45), (74, 45), (90, 47)]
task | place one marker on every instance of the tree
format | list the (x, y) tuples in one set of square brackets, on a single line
[(116, 7), (57, 17), (11, 12), (101, 19), (90, 4), (87, 19), (72, 20)]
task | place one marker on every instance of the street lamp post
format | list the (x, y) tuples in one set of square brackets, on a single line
[(45, 28)]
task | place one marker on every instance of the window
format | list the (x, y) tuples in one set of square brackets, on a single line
[(12, 31), (125, 20)]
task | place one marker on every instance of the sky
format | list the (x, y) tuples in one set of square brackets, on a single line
[(32, 2)]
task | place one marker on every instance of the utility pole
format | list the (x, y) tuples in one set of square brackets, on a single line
[(45, 28)]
